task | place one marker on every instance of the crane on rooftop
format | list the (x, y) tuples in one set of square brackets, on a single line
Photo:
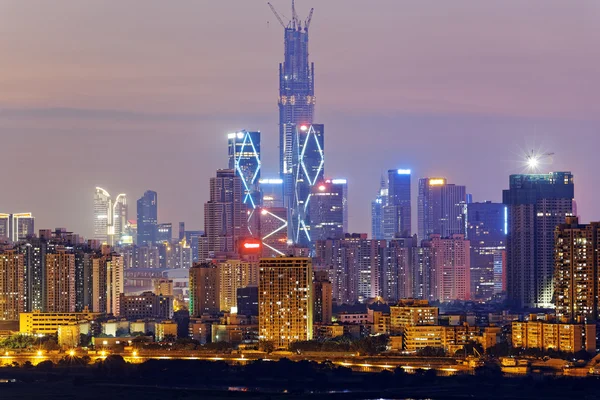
[(294, 22)]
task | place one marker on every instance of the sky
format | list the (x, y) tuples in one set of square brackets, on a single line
[(140, 94)]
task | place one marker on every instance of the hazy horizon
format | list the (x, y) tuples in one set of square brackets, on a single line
[(140, 95)]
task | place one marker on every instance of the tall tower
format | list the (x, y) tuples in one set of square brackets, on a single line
[(328, 210), (119, 217), (147, 218), (296, 93), (204, 290), (102, 214), (244, 159), (537, 203), (396, 212), (308, 163)]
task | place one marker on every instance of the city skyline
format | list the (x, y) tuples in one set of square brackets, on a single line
[(474, 112)]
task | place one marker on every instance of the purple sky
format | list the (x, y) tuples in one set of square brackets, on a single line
[(140, 94)]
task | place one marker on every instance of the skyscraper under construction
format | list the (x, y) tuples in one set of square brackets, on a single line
[(296, 95)]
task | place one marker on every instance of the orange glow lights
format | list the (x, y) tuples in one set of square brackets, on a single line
[(303, 128)]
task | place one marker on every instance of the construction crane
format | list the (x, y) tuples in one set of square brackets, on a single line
[(307, 22), (295, 19), (277, 15)]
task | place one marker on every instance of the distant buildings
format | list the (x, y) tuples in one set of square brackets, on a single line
[(396, 210), (536, 203), (285, 318), (110, 217), (441, 208), (322, 298), (16, 227), (377, 210), (147, 218)]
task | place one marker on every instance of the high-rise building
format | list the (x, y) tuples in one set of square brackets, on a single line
[(327, 209), (285, 300), (102, 214), (204, 290), (225, 215), (486, 231), (60, 281), (34, 254), (12, 289), (272, 192), (244, 159), (119, 218), (83, 278), (399, 273), (441, 208), (235, 274), (577, 271), (147, 218), (537, 203), (16, 227), (451, 268), (377, 210), (108, 280), (307, 167), (322, 298), (296, 98), (396, 211)]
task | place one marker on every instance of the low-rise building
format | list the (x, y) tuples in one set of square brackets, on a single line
[(41, 323), (165, 329), (548, 335), (235, 329), (411, 312), (147, 305), (328, 331)]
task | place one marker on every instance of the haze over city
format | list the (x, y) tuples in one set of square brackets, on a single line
[(141, 94)]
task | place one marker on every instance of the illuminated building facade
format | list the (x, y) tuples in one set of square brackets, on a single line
[(285, 300), (119, 218), (244, 159), (486, 230), (396, 210), (146, 305), (164, 232), (12, 288), (272, 192), (296, 100), (328, 209), (147, 218), (307, 167), (102, 214), (377, 210), (536, 203), (60, 281), (544, 335), (441, 208), (16, 227), (235, 274), (204, 290), (273, 232), (576, 271)]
